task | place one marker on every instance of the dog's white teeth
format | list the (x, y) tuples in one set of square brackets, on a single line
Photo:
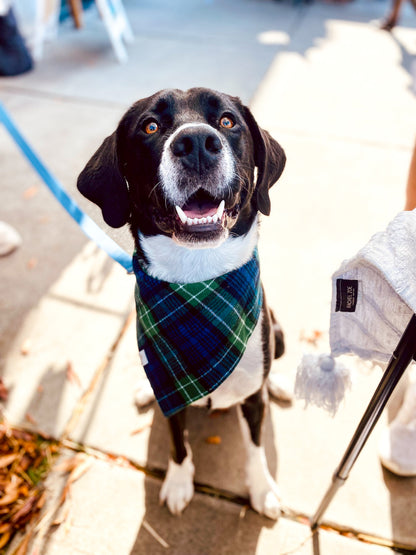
[(204, 220), (181, 214)]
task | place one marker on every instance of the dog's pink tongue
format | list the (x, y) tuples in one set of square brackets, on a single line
[(195, 210)]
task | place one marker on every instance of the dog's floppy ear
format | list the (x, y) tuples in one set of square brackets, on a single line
[(102, 182), (269, 158)]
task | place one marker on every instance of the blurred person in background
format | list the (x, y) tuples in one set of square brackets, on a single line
[(14, 55), (14, 60)]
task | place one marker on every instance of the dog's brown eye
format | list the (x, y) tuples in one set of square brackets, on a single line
[(227, 122), (151, 127)]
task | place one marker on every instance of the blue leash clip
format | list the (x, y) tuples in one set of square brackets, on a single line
[(88, 226)]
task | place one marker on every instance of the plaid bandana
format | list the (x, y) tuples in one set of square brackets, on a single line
[(192, 336)]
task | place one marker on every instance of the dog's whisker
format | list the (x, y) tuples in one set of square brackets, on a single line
[(153, 190)]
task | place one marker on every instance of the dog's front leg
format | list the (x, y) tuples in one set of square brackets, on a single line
[(178, 486), (263, 490)]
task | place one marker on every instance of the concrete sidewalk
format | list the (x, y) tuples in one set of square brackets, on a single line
[(338, 94)]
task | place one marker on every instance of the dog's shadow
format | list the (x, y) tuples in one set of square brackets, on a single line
[(218, 520)]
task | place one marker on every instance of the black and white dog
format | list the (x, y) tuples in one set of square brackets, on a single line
[(190, 172)]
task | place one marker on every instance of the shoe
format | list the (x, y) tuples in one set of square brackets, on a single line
[(397, 448), (9, 239)]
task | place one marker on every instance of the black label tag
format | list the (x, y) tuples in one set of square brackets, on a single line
[(347, 294)]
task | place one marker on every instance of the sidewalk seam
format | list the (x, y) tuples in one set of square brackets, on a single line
[(227, 496)]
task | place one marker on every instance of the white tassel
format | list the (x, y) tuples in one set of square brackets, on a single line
[(322, 381)]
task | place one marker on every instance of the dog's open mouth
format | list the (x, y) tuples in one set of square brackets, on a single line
[(201, 212), (203, 218)]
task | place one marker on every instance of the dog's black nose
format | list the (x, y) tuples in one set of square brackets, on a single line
[(198, 149)]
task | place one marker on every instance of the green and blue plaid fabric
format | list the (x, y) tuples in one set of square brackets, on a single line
[(192, 336)]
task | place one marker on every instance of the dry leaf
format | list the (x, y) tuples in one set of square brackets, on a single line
[(24, 461), (213, 440), (9, 498), (142, 428), (26, 346), (22, 549), (71, 375), (312, 338), (42, 500), (30, 418), (4, 392), (30, 192), (78, 465), (64, 513), (69, 464), (4, 538), (80, 469), (218, 412), (27, 507), (4, 527), (5, 460)]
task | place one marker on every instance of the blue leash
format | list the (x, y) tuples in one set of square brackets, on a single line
[(88, 226)]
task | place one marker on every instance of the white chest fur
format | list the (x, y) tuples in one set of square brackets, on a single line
[(171, 262)]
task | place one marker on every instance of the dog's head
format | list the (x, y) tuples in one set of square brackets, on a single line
[(183, 164)]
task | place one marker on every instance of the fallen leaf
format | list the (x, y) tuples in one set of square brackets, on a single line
[(213, 440), (4, 538), (30, 418), (27, 507), (78, 465), (22, 549), (26, 347), (5, 460), (312, 337), (4, 392), (142, 428), (218, 412), (80, 469), (9, 498), (69, 464), (4, 527), (42, 500), (71, 375), (30, 192), (25, 459), (63, 516)]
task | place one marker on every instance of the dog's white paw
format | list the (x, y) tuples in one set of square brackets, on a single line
[(280, 387), (266, 501), (178, 487), (263, 490), (143, 395)]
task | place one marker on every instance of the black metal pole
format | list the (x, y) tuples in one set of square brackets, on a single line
[(400, 360)]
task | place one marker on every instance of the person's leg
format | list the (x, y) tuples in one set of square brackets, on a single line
[(397, 447), (411, 183)]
